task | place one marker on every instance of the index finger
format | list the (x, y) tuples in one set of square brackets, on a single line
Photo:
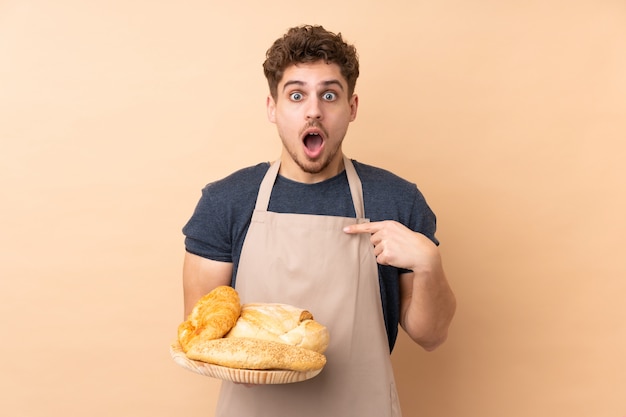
[(372, 227)]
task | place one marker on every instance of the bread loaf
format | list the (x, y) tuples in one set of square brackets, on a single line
[(280, 323), (244, 353), (258, 336)]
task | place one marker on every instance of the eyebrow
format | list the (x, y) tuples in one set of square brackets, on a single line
[(325, 83)]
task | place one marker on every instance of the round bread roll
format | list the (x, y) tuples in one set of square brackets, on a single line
[(280, 323), (211, 318)]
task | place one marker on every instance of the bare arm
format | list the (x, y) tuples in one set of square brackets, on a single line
[(200, 276), (427, 306), (427, 303)]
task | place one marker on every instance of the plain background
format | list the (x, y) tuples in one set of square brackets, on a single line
[(509, 115)]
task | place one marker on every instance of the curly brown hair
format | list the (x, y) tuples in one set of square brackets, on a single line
[(308, 44)]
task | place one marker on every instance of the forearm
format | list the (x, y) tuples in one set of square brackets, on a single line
[(427, 306)]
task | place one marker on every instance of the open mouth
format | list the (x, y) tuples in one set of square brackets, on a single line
[(313, 141)]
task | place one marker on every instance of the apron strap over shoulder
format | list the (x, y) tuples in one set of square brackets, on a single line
[(356, 190), (265, 190)]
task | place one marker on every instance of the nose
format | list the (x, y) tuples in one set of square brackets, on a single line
[(314, 109)]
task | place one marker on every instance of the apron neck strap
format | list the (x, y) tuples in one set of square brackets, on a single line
[(356, 188)]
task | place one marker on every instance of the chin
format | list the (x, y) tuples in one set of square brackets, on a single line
[(313, 167)]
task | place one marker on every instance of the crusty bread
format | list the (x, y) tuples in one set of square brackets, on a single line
[(308, 334), (211, 318), (258, 335), (244, 353), (280, 323)]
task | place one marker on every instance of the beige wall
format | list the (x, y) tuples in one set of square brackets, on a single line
[(509, 115)]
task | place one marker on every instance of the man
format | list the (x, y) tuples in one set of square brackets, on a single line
[(351, 243)]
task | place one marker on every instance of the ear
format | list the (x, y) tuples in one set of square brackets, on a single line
[(354, 105), (271, 109)]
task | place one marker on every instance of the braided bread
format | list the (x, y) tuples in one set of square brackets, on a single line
[(281, 323)]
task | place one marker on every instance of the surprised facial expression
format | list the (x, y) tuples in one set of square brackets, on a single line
[(312, 111)]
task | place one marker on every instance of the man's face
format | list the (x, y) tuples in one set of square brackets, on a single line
[(312, 111)]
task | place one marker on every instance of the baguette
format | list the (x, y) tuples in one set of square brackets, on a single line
[(245, 353)]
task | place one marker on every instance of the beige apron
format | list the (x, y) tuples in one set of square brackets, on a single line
[(309, 262)]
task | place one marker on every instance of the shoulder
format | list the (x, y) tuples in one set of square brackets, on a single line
[(223, 212), (232, 195), (236, 190), (378, 179), (242, 180)]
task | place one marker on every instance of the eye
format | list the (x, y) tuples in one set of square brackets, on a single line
[(329, 96), (295, 96)]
